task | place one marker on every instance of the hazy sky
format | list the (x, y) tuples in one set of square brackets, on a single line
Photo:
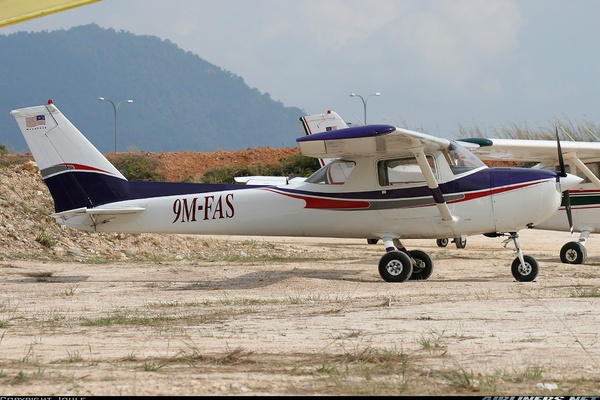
[(438, 64)]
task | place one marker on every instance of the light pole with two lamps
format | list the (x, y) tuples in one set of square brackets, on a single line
[(365, 102), (115, 108)]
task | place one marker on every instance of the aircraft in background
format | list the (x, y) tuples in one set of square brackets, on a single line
[(315, 123), (384, 182), (580, 158)]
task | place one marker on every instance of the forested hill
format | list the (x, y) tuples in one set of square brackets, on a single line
[(180, 101)]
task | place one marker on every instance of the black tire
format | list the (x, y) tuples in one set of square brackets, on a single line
[(442, 242), (424, 265), (395, 266), (573, 253), (527, 272), (460, 242), (372, 241)]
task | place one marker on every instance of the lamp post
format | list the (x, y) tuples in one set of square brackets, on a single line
[(115, 108), (365, 102)]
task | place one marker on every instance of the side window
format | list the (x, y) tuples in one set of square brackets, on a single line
[(402, 171), (334, 173)]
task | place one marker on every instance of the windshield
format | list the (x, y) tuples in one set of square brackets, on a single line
[(460, 159)]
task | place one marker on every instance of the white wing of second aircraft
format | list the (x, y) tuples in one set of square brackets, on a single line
[(545, 152), (532, 150)]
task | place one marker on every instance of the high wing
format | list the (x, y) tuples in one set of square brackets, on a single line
[(16, 11), (368, 141)]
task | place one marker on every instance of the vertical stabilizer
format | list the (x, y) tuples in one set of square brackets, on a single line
[(317, 123), (76, 173)]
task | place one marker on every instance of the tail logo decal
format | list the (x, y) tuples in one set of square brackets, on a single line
[(32, 122)]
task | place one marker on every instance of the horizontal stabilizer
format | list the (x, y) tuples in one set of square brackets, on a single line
[(267, 180), (65, 215)]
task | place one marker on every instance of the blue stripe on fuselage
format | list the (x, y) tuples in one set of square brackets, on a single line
[(72, 190)]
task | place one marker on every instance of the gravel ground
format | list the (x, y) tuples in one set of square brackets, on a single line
[(110, 314)]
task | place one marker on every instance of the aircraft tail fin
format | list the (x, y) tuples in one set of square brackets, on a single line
[(317, 123), (76, 173), (322, 122)]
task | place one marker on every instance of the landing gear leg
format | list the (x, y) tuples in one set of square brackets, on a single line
[(399, 264), (524, 268)]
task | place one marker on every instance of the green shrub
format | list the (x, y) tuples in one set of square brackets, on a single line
[(298, 165), (137, 167), (226, 174), (3, 149)]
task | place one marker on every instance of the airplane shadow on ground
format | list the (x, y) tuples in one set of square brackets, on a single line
[(45, 278), (590, 261), (260, 279)]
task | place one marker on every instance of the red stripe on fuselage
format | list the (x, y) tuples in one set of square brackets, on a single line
[(328, 204), (322, 203)]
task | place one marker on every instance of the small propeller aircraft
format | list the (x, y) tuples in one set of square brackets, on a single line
[(580, 158), (384, 182)]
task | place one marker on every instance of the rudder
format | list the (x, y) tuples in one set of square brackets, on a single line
[(76, 173)]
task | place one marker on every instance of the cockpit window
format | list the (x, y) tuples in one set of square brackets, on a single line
[(334, 173), (460, 159), (402, 171)]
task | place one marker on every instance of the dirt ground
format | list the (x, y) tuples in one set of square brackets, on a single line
[(318, 320), (112, 314)]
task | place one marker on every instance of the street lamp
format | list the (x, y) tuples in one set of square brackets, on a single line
[(365, 102), (115, 108)]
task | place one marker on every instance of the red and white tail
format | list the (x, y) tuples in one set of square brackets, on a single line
[(76, 173), (317, 123)]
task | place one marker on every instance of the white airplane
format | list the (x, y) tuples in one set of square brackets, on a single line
[(580, 158), (385, 182)]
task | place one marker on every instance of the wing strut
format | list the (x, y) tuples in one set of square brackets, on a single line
[(440, 202), (586, 171)]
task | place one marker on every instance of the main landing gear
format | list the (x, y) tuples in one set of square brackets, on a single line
[(573, 253), (461, 242), (399, 264)]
